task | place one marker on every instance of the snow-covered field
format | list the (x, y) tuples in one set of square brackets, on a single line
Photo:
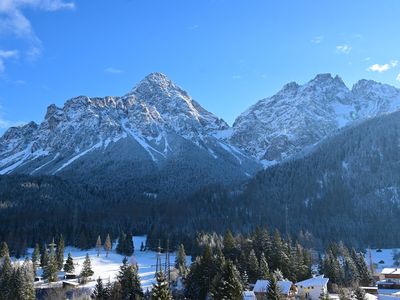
[(107, 267), (382, 258)]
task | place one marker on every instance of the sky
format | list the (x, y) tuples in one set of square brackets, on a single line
[(227, 54)]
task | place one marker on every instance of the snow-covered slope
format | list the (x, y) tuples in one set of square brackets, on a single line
[(154, 125), (299, 116)]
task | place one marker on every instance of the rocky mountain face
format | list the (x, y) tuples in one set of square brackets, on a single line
[(299, 116), (156, 132)]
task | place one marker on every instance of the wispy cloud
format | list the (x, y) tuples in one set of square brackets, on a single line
[(13, 21), (4, 123), (398, 77), (113, 70), (317, 39), (383, 68), (237, 76), (4, 55), (344, 49), (194, 27)]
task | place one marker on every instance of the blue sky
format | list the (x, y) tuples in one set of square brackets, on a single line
[(226, 54)]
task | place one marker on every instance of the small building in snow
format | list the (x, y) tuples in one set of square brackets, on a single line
[(287, 288), (312, 288), (390, 283)]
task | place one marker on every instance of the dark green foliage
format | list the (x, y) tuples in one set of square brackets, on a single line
[(180, 261), (60, 252), (16, 282), (273, 292), (161, 289), (4, 251), (129, 281), (50, 270), (69, 264), (86, 268), (102, 292), (36, 257), (125, 244), (227, 284)]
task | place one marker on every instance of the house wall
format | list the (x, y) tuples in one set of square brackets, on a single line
[(312, 293)]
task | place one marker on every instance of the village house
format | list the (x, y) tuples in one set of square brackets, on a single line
[(312, 288), (390, 282), (249, 295), (287, 288)]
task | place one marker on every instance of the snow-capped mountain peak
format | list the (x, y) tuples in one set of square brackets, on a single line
[(298, 116)]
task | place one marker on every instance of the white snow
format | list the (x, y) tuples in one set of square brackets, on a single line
[(107, 268), (98, 145)]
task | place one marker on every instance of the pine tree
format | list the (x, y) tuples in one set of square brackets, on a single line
[(129, 247), (60, 253), (359, 294), (160, 289), (98, 245), (44, 257), (130, 281), (230, 246), (86, 268), (180, 261), (365, 277), (26, 277), (69, 265), (6, 278), (36, 258), (253, 267), (273, 292), (263, 267), (50, 270), (107, 245), (227, 285), (4, 250), (121, 243), (99, 292)]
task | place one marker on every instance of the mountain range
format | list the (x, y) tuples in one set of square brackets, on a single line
[(317, 160)]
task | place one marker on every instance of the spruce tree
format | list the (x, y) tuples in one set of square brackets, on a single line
[(227, 284), (36, 258), (230, 251), (107, 245), (26, 287), (263, 267), (86, 268), (60, 252), (98, 245), (6, 278), (99, 292), (4, 250), (253, 267), (130, 282), (180, 261), (50, 270), (161, 289), (44, 257), (365, 277), (273, 292), (121, 243), (129, 247), (69, 265)]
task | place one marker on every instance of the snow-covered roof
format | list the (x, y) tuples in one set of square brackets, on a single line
[(262, 285), (390, 271), (315, 281), (249, 295)]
